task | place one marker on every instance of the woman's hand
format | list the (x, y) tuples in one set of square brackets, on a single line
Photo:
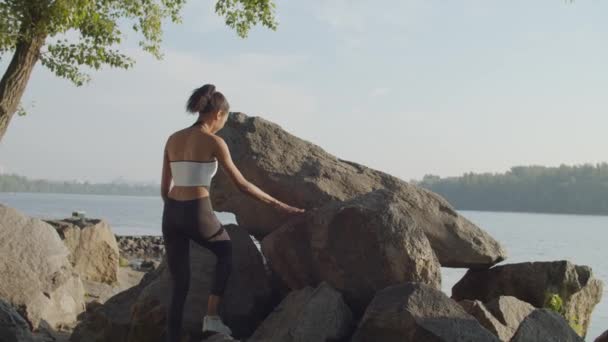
[(288, 209)]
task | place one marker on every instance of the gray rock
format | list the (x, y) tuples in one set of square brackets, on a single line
[(37, 276), (603, 337), (148, 265), (111, 321), (139, 314), (93, 248), (509, 310), (217, 337), (304, 175), (141, 247), (307, 315), (547, 326), (45, 333), (478, 310), (359, 247), (531, 282), (500, 316), (416, 312), (13, 328), (98, 292)]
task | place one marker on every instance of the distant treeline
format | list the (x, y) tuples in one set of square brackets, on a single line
[(16, 183), (579, 189)]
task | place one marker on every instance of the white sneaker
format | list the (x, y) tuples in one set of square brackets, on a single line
[(214, 323)]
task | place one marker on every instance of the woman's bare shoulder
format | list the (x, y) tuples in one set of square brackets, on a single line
[(180, 132), (218, 142), (175, 137), (183, 134)]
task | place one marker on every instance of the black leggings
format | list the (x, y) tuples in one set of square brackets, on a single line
[(184, 221)]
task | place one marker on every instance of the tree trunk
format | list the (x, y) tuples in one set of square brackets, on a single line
[(14, 81)]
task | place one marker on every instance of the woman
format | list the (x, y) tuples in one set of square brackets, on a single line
[(191, 159)]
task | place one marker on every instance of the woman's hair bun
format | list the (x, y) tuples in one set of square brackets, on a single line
[(207, 90), (206, 100)]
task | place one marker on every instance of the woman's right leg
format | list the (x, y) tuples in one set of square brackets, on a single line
[(208, 233), (223, 267), (223, 252), (222, 249)]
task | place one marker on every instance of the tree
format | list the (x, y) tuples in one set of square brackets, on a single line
[(36, 30), (580, 189)]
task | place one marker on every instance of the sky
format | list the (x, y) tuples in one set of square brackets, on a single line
[(409, 87)]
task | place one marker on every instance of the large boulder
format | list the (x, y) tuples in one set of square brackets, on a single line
[(359, 247), (13, 328), (304, 175), (139, 314), (36, 274), (416, 312), (534, 283), (307, 315), (547, 326), (93, 249)]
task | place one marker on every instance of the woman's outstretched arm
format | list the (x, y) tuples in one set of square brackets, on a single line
[(222, 153)]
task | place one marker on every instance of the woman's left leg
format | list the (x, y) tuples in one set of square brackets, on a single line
[(178, 262), (209, 233)]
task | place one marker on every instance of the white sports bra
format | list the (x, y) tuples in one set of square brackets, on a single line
[(193, 173)]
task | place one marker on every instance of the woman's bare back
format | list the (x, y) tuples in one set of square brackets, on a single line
[(191, 144)]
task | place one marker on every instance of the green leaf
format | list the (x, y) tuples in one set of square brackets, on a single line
[(554, 302), (93, 28)]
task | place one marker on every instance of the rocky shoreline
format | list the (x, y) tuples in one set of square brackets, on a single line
[(363, 264), (141, 247)]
